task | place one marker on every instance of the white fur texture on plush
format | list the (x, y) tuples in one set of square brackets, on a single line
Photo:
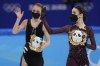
[(77, 36), (36, 42)]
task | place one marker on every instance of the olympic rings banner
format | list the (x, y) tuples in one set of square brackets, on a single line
[(57, 12)]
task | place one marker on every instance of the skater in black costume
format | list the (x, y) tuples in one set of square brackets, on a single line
[(35, 27)]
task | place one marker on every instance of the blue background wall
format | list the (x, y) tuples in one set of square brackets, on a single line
[(55, 17)]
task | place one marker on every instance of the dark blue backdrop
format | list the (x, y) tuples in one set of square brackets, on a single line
[(57, 12)]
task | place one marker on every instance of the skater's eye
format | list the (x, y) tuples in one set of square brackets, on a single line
[(33, 10), (36, 11), (73, 12)]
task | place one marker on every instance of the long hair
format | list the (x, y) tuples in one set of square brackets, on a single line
[(81, 10)]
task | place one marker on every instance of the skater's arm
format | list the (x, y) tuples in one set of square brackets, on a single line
[(92, 40), (55, 31), (45, 44), (17, 28)]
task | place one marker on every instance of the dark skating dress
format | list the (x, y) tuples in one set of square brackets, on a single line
[(77, 43), (31, 57)]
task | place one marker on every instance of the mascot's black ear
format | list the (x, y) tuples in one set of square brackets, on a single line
[(83, 36), (43, 15)]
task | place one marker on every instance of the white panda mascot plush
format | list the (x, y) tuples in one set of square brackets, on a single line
[(35, 42), (77, 36)]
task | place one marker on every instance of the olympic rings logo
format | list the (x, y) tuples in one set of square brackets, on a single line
[(10, 7)]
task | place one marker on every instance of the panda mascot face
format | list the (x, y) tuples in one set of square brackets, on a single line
[(36, 42), (77, 36)]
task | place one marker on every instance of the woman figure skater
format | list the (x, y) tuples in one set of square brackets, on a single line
[(33, 26), (78, 36)]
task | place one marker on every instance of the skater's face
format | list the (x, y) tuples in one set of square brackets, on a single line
[(79, 12), (75, 11), (36, 9)]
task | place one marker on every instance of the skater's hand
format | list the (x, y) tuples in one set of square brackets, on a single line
[(18, 12)]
